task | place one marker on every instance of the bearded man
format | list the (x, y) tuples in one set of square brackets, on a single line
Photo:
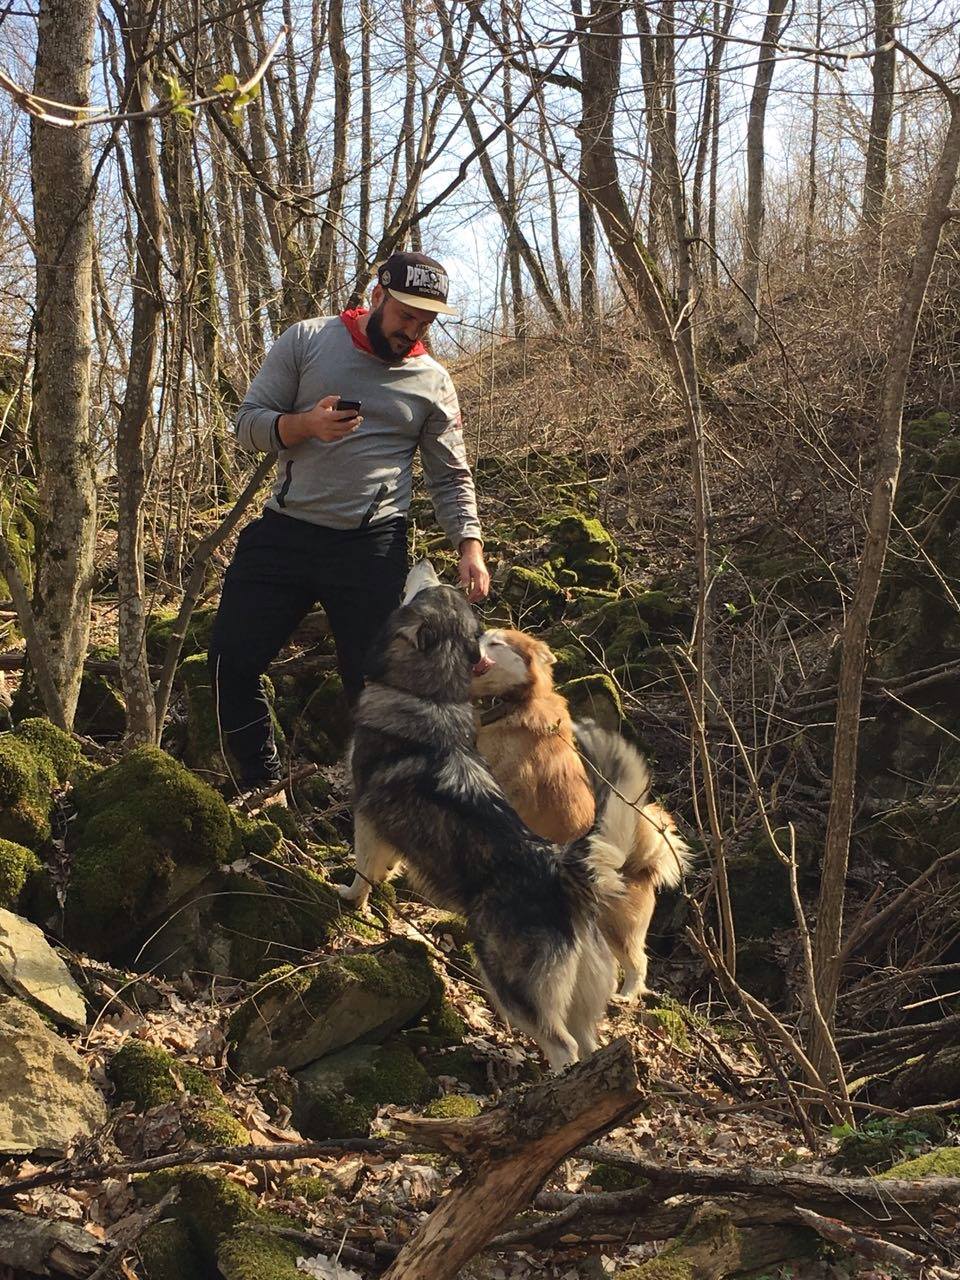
[(334, 530)]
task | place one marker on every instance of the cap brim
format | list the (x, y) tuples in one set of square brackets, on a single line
[(424, 304)]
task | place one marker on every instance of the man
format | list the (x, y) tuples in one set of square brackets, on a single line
[(334, 530)]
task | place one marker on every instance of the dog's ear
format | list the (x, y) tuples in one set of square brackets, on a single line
[(418, 633), (546, 655)]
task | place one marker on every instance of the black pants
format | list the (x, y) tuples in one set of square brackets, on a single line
[(282, 568)]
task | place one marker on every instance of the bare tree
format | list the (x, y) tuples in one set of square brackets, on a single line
[(756, 156), (62, 196), (881, 112)]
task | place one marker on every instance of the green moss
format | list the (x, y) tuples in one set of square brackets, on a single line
[(662, 1268), (316, 717), (595, 697), (36, 759), (760, 892), (669, 1020), (532, 596), (210, 1204), (168, 1251), (53, 744), (148, 1076), (452, 1106), (312, 1189), (16, 864), (340, 1095), (196, 639), (579, 537), (614, 1177), (454, 927), (447, 1024), (463, 1064), (944, 1162), (101, 713), (18, 527), (883, 1141), (249, 1255), (147, 831)]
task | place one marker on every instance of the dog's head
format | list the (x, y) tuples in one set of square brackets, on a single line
[(511, 663), (430, 645)]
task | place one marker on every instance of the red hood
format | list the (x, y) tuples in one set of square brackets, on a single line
[(352, 318)]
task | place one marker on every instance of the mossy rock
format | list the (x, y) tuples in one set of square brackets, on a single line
[(18, 527), (463, 1064), (316, 717), (760, 892), (943, 1162), (299, 1015), (210, 1205), (307, 1187), (253, 1255), (595, 697), (17, 864), (36, 760), (575, 538), (168, 1251), (201, 749), (452, 1106), (670, 1019), (101, 713), (532, 596), (446, 1024), (338, 1096), (148, 1076), (885, 1141), (615, 1177), (195, 641), (148, 831)]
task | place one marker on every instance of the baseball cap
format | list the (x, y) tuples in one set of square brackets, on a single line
[(417, 281)]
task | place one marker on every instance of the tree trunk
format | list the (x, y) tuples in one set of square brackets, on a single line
[(137, 409), (708, 134), (61, 176), (878, 142), (589, 295), (509, 1153), (512, 210), (753, 230), (366, 136), (812, 158), (325, 272), (409, 112), (860, 611)]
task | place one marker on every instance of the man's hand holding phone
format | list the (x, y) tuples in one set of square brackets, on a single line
[(330, 419)]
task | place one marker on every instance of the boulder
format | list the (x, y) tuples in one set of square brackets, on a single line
[(338, 1096), (148, 832), (17, 863), (31, 969), (298, 1015), (36, 760), (46, 1098), (595, 697), (147, 1076)]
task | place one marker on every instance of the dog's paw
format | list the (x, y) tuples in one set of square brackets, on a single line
[(353, 894)]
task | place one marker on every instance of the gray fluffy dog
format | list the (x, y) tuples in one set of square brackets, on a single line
[(424, 797)]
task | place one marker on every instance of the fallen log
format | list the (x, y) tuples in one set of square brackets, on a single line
[(45, 1247), (508, 1153)]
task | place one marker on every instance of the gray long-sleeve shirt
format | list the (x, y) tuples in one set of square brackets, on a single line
[(366, 477)]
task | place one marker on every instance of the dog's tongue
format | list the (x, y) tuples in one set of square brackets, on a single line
[(482, 667)]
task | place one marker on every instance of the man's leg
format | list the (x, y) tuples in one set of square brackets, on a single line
[(359, 593), (266, 593)]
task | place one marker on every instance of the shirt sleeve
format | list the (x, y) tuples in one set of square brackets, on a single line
[(445, 469), (273, 391)]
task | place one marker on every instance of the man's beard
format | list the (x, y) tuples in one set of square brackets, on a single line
[(379, 341)]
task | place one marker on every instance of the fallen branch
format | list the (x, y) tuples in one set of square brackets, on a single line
[(872, 1248), (126, 1239), (41, 1246), (510, 1151), (252, 1152)]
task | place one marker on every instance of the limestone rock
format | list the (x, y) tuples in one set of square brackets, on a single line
[(31, 968), (46, 1098), (338, 1096), (299, 1015)]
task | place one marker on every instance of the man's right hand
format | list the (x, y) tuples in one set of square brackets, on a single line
[(322, 422)]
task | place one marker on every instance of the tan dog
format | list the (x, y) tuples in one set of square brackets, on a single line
[(528, 738)]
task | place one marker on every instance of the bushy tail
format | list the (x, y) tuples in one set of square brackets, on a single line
[(645, 833)]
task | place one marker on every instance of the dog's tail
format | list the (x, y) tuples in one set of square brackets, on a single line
[(626, 817)]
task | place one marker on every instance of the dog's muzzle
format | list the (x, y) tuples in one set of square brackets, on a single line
[(483, 666)]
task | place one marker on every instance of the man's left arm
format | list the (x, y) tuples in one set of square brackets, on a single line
[(451, 488)]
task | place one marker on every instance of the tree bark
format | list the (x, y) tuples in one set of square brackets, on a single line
[(812, 155), (137, 408), (860, 611), (511, 1151), (62, 194), (330, 231), (881, 113), (756, 156), (366, 136)]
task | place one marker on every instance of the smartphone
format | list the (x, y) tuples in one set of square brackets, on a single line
[(344, 406)]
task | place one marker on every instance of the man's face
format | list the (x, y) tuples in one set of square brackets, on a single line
[(393, 328)]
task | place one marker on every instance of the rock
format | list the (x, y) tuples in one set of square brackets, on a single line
[(253, 1255), (147, 1076), (595, 697), (147, 834), (338, 1096), (298, 1015), (167, 1252), (101, 713), (210, 1207), (315, 716), (17, 862), (31, 969), (943, 1162), (580, 545), (533, 596), (36, 760), (46, 1098)]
